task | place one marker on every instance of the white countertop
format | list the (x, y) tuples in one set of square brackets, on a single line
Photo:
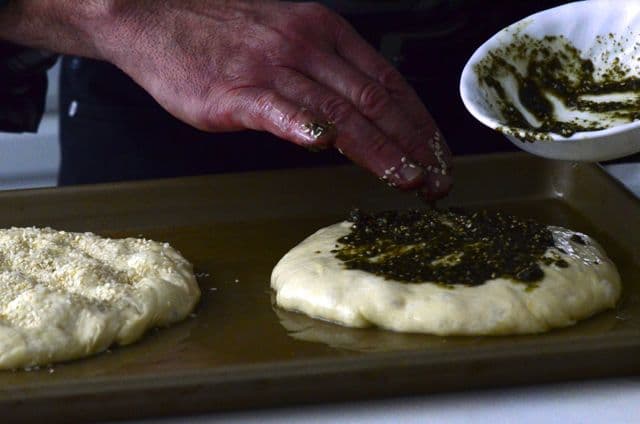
[(605, 401)]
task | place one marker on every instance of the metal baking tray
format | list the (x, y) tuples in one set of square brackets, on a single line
[(238, 351)]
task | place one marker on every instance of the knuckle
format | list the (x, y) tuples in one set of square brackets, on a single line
[(271, 40), (324, 19), (316, 10), (263, 103), (284, 44), (288, 52), (337, 109), (270, 47), (238, 70), (391, 78), (373, 100)]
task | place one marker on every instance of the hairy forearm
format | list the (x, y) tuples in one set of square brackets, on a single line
[(62, 26)]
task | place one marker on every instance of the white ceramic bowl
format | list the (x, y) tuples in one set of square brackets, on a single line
[(602, 30)]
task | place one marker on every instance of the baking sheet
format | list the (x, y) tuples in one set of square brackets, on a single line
[(238, 351)]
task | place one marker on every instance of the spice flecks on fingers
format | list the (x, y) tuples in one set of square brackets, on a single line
[(407, 174), (437, 174), (319, 134), (436, 145)]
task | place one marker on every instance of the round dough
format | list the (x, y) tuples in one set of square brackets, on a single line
[(311, 280), (68, 295)]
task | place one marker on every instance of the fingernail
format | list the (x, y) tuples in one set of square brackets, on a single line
[(406, 176), (410, 172)]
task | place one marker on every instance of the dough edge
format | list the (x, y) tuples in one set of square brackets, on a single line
[(76, 331), (316, 284)]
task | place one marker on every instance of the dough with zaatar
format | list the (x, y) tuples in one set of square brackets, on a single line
[(447, 273), (66, 295)]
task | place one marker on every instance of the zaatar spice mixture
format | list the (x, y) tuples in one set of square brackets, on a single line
[(552, 67), (447, 247)]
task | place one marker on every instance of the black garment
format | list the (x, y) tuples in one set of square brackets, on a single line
[(23, 85)]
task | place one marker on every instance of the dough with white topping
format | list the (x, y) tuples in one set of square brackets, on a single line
[(310, 279), (67, 295)]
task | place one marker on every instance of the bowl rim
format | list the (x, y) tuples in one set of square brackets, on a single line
[(468, 75)]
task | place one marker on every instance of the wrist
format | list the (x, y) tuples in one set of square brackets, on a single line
[(62, 26)]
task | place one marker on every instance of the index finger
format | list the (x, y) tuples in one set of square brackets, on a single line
[(354, 49)]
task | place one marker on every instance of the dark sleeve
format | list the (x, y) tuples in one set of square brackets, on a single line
[(23, 86)]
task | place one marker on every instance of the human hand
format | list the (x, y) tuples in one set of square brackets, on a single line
[(296, 70)]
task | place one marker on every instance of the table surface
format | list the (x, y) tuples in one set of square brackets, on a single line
[(592, 401), (603, 401)]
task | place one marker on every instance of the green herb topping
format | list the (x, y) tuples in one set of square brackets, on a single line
[(447, 247), (549, 72)]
